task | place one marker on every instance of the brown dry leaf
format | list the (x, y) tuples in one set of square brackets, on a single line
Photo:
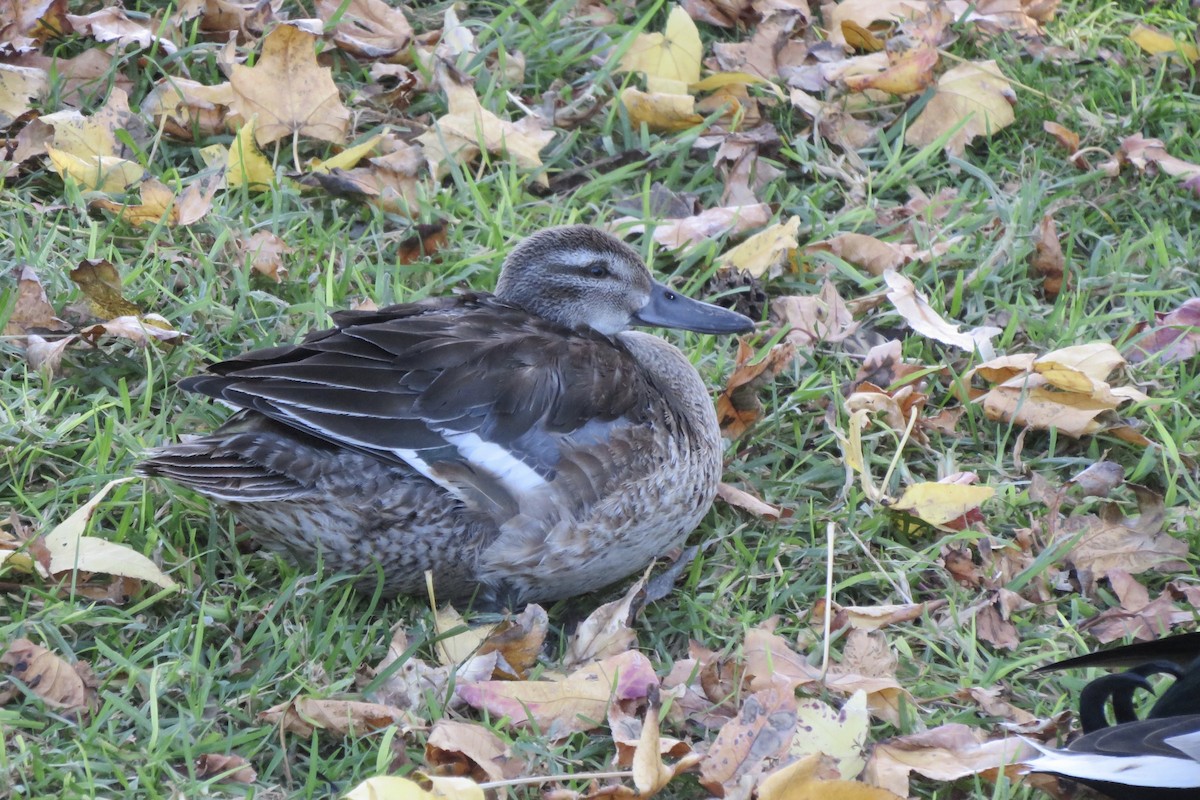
[(1099, 479), (367, 28), (19, 88), (992, 703), (304, 715), (1151, 154), (101, 285), (1174, 336), (865, 12), (31, 308), (993, 619), (232, 768), (30, 22), (141, 330), (1069, 141), (471, 750), (823, 317), (575, 703), (945, 753), (1113, 541), (265, 252), (737, 406), (289, 92), (872, 618), (762, 732), (45, 355), (908, 72), (766, 252), (699, 228), (917, 312), (518, 642), (414, 681), (112, 25), (607, 631), (705, 688), (971, 100), (801, 780), (188, 109), (159, 204), (627, 733), (1048, 261), (722, 13), (63, 687), (740, 498), (468, 127), (1139, 616)]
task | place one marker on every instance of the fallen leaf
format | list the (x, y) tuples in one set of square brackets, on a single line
[(1150, 154), (232, 768), (766, 252), (908, 72), (101, 285), (575, 703), (470, 750), (740, 498), (1174, 336), (112, 25), (1099, 479), (865, 12), (518, 641), (187, 109), (61, 686), (31, 309), (1047, 259), (390, 787), (840, 734), (245, 165), (141, 330), (762, 732), (93, 138), (970, 100), (289, 92), (98, 173), (941, 503), (46, 355), (71, 551), (670, 60), (712, 223), (304, 715), (1134, 544), (800, 780), (456, 640), (823, 317), (264, 251), (1155, 42), (607, 631), (660, 112), (738, 406), (20, 87), (945, 753), (917, 312), (367, 28), (1069, 141)]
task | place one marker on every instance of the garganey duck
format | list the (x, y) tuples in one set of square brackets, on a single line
[(523, 446), (1156, 758)]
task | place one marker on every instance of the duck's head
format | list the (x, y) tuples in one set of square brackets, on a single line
[(581, 277)]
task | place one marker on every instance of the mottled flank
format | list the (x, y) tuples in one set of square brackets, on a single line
[(524, 446)]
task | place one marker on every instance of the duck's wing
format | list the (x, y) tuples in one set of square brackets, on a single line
[(472, 393), (1181, 649)]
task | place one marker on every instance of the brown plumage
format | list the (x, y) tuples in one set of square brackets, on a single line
[(523, 446)]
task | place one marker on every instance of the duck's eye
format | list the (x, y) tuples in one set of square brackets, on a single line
[(597, 269)]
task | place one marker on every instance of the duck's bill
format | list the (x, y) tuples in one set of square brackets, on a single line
[(667, 308)]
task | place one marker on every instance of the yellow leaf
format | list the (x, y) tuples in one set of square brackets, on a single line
[(765, 250), (971, 100), (348, 157), (1156, 42), (101, 285), (908, 73), (390, 787), (939, 503), (661, 112), (70, 550), (721, 79), (860, 38), (456, 648), (245, 164), (670, 58), (19, 85), (97, 173)]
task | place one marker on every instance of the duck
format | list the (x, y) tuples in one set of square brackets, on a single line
[(522, 446), (1156, 758)]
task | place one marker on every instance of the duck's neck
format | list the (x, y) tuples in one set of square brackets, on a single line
[(679, 384)]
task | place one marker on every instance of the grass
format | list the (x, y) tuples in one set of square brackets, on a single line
[(185, 675)]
